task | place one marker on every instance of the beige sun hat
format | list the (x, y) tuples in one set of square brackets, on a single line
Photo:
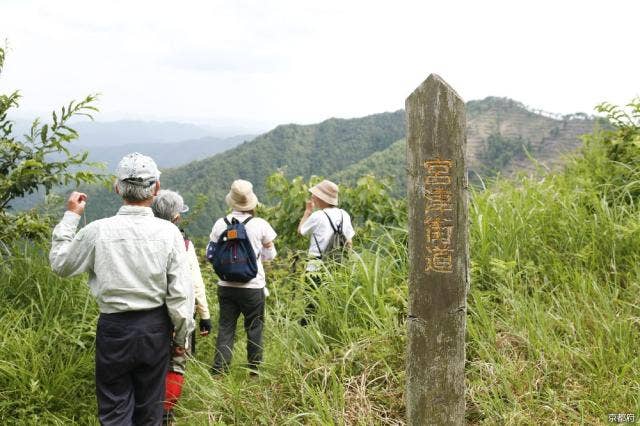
[(241, 196), (327, 191)]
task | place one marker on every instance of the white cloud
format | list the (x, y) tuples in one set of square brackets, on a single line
[(296, 61)]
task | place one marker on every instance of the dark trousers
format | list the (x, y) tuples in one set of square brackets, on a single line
[(132, 359), (235, 301)]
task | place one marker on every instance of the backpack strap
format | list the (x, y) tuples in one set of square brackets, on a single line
[(243, 222), (317, 245), (336, 229), (330, 221)]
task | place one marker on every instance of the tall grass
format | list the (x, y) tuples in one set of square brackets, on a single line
[(554, 309), (553, 325), (344, 367), (47, 348)]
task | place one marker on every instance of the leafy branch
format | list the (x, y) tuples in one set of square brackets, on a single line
[(41, 159)]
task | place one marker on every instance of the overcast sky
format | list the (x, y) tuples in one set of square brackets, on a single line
[(256, 64)]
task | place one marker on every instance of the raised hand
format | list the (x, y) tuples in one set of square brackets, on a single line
[(77, 202), (309, 206)]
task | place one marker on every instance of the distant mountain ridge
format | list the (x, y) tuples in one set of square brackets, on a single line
[(166, 154), (122, 132), (501, 133), (549, 136)]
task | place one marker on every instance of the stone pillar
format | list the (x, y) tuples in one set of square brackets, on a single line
[(437, 193)]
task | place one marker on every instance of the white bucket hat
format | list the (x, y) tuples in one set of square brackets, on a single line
[(241, 196), (137, 169), (327, 191)]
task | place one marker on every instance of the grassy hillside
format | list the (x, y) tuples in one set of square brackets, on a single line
[(553, 314)]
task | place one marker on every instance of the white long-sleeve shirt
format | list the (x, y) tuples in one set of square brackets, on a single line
[(198, 284), (135, 262)]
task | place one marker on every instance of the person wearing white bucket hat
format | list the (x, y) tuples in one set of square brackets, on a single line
[(325, 226), (246, 298), (138, 273)]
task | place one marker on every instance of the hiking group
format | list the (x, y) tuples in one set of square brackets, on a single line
[(145, 276)]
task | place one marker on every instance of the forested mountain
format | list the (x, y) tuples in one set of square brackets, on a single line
[(320, 149), (389, 163), (499, 128), (500, 132)]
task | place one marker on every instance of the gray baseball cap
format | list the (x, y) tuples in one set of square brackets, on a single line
[(137, 169)]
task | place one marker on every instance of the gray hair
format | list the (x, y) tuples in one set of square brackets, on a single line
[(134, 193), (167, 205)]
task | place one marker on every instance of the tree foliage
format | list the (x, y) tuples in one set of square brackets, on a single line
[(623, 141), (614, 152), (38, 160)]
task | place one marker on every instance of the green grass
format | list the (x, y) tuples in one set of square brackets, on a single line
[(47, 348), (553, 325), (554, 308)]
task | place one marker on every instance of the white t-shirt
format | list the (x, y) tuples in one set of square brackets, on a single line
[(259, 232), (318, 225)]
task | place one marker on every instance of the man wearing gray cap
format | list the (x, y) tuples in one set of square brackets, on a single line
[(139, 276)]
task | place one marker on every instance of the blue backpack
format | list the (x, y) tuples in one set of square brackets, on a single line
[(232, 256)]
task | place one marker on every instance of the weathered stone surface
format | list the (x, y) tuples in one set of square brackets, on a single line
[(438, 254)]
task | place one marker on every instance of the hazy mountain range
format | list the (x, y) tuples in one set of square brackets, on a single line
[(170, 143)]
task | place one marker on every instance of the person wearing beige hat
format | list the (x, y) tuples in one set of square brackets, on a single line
[(321, 226), (235, 298)]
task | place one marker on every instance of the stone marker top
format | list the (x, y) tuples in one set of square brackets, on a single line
[(434, 80)]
